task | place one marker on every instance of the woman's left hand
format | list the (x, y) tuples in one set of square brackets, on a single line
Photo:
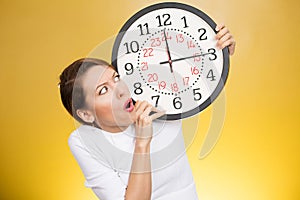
[(225, 39)]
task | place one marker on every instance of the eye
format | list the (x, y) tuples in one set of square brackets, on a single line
[(117, 78), (103, 90)]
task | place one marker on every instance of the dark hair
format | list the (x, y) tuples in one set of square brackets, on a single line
[(71, 91)]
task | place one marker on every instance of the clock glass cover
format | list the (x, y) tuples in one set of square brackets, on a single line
[(167, 55)]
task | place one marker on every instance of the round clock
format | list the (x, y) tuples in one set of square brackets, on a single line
[(167, 55)]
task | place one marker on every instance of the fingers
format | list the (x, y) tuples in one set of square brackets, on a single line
[(140, 107), (143, 110), (225, 38), (157, 115), (230, 44), (219, 27), (144, 119), (221, 32), (155, 109)]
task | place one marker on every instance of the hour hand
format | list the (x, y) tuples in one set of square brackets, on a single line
[(184, 58)]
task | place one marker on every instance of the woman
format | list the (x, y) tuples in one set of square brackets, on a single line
[(122, 151)]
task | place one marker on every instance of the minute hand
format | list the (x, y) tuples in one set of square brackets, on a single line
[(179, 59)]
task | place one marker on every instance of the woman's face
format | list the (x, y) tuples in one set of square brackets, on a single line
[(108, 98)]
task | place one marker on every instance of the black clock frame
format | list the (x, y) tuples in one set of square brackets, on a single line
[(208, 20)]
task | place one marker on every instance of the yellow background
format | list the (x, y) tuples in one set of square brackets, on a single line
[(257, 156)]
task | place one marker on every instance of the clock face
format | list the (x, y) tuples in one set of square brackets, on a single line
[(167, 55)]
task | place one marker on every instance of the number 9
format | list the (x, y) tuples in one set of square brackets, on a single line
[(130, 69)]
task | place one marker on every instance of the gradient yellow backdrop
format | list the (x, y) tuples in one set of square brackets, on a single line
[(257, 156)]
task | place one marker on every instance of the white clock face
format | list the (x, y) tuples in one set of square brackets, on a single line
[(167, 55)]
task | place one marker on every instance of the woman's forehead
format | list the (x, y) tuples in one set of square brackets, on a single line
[(97, 75), (101, 72)]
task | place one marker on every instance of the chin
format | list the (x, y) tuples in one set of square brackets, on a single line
[(126, 121)]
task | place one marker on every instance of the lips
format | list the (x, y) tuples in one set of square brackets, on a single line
[(128, 105)]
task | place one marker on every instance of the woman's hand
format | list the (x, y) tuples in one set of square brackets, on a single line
[(140, 181), (225, 39), (143, 124)]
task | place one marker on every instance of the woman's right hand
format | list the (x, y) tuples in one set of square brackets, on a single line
[(140, 181), (143, 123)]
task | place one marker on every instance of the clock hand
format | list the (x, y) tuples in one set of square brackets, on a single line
[(168, 52), (169, 58), (179, 59)]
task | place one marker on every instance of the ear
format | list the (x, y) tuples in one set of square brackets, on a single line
[(85, 115)]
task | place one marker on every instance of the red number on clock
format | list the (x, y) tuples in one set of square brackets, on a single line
[(162, 85), (194, 70), (197, 59), (179, 38), (186, 80), (144, 66), (163, 38), (148, 52), (155, 42), (152, 77), (190, 44), (174, 87)]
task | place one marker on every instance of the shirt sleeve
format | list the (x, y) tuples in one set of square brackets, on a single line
[(104, 181)]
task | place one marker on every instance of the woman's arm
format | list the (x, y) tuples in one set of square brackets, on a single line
[(103, 180), (140, 182)]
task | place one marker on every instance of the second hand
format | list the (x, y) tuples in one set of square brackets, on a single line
[(169, 58), (168, 52)]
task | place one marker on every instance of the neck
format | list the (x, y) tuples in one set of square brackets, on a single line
[(114, 129)]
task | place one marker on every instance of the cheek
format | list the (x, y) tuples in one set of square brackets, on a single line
[(103, 107), (107, 109)]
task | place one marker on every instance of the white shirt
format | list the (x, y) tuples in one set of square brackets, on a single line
[(105, 160)]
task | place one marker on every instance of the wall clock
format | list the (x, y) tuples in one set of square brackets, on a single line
[(167, 55)]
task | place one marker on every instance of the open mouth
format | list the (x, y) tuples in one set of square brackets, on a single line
[(128, 106)]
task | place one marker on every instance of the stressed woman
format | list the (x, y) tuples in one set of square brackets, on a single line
[(123, 152)]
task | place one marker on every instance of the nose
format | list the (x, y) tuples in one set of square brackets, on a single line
[(120, 89)]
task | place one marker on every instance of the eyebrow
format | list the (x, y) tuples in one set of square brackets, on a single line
[(105, 82)]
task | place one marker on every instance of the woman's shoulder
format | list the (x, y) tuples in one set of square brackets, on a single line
[(75, 138)]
